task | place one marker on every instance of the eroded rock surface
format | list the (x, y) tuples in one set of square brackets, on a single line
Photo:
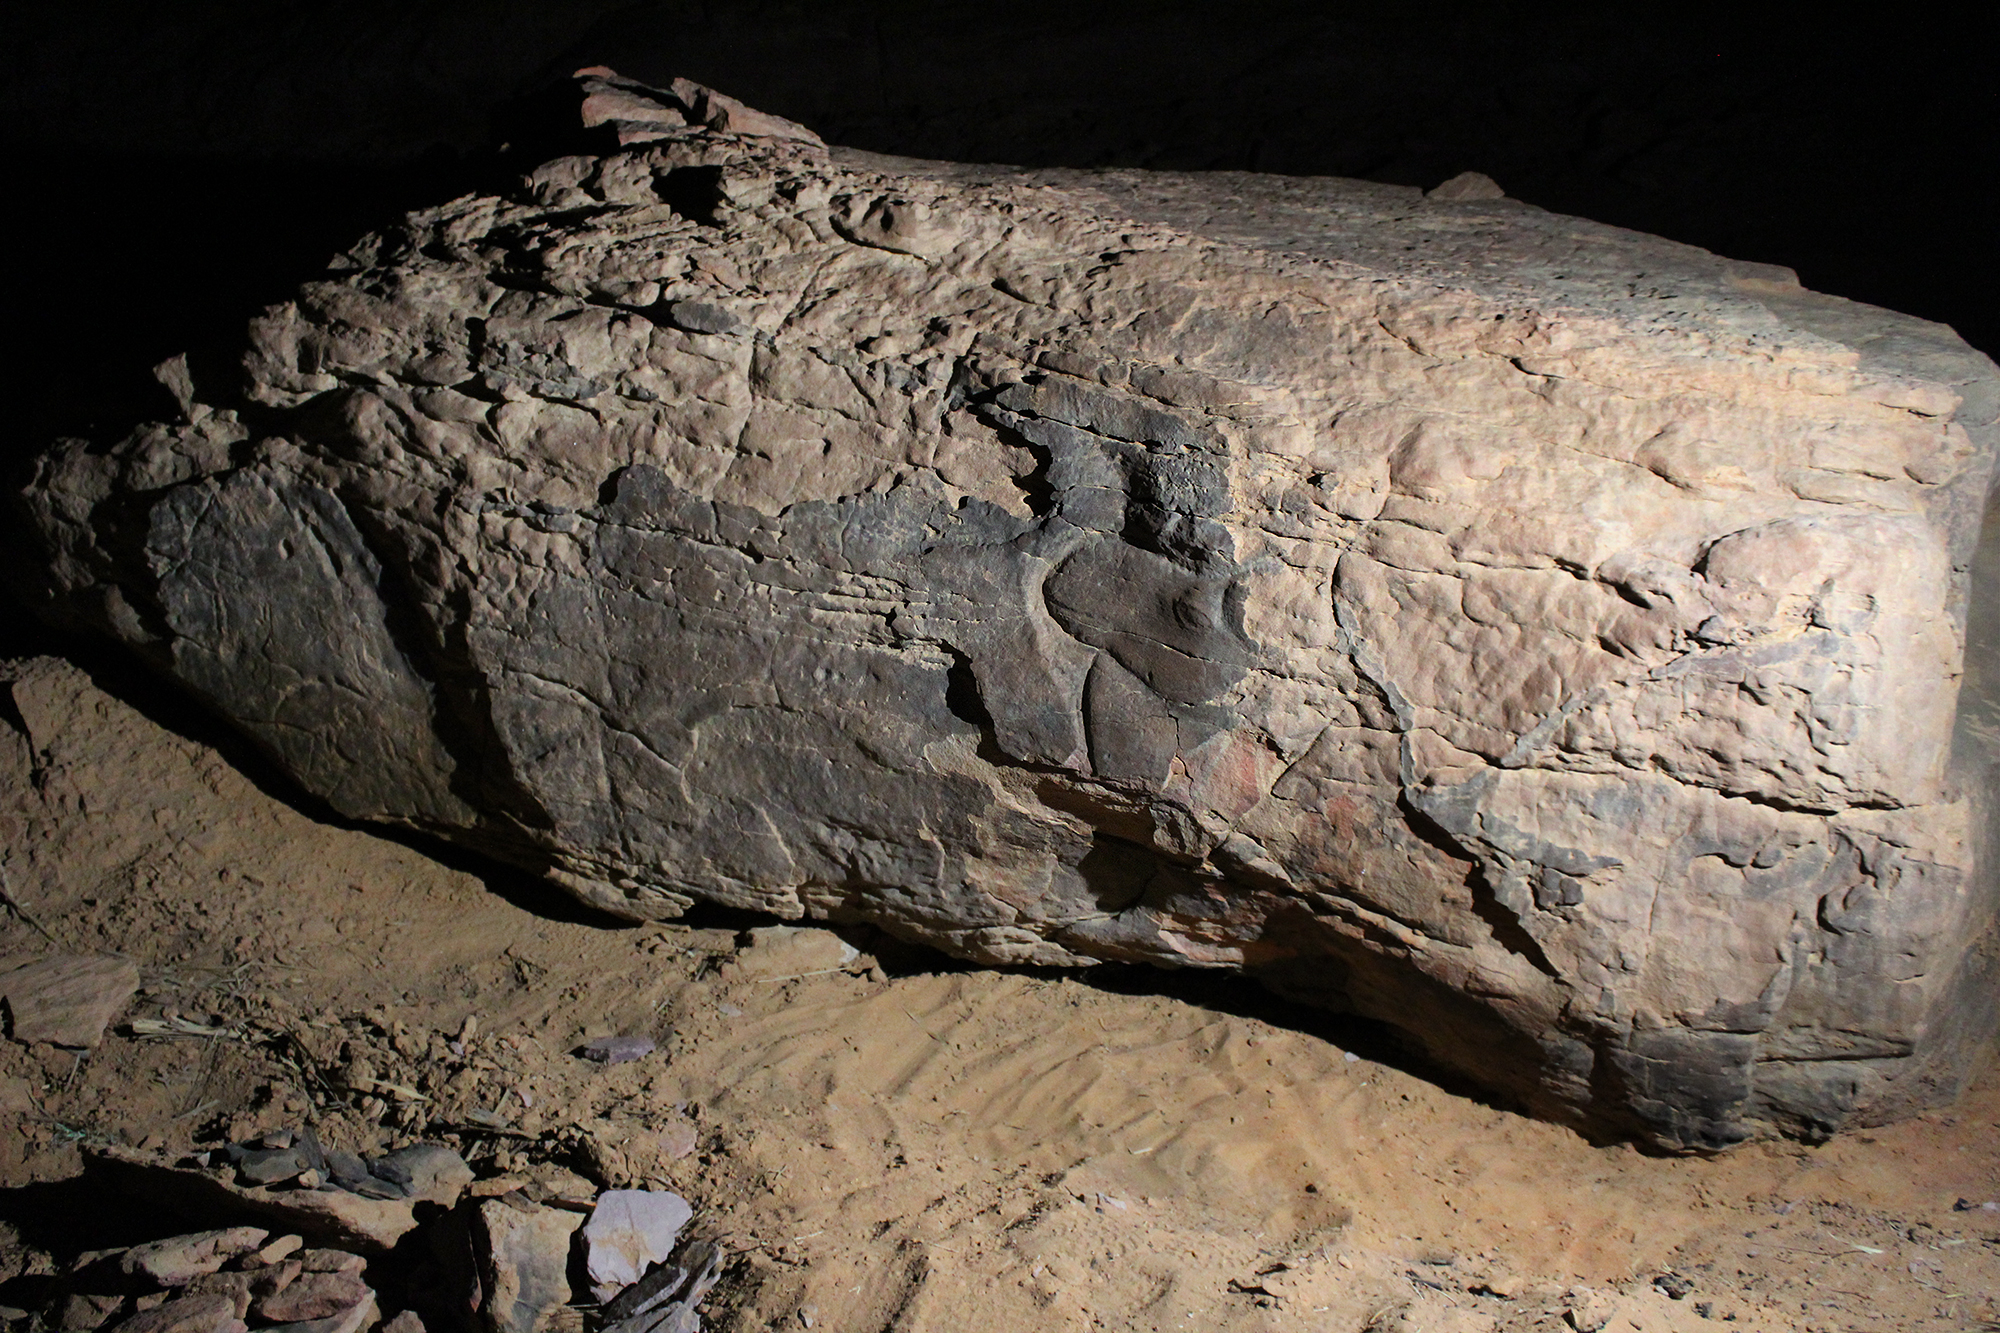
[(1543, 637)]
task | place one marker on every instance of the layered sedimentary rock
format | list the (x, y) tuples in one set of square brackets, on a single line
[(1545, 638)]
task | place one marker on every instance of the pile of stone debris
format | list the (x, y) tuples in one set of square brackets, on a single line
[(295, 1158), (223, 1282), (410, 1235)]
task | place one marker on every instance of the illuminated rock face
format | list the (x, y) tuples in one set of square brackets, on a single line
[(1545, 638)]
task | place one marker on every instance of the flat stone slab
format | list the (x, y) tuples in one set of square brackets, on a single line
[(629, 1231), (1545, 638), (64, 999)]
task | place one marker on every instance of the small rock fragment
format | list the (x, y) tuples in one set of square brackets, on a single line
[(667, 1298), (1588, 1310), (236, 1286), (66, 999), (205, 1313), (1674, 1285), (85, 1311), (276, 1277), (284, 1247), (261, 1279), (372, 1186), (642, 114), (177, 1260), (392, 1169), (602, 1150), (307, 1143), (617, 1050), (345, 1168), (267, 1166), (677, 1139), (428, 1172), (1467, 185), (352, 1320), (560, 1187), (331, 1261), (17, 1096), (790, 951), (406, 1321), (314, 1296), (630, 1231)]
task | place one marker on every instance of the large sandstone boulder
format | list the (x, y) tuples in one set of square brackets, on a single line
[(1545, 638)]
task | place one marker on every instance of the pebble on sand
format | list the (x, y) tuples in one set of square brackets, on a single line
[(617, 1050)]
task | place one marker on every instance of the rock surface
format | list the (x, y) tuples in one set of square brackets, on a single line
[(629, 1231), (1543, 637), (430, 1172), (523, 1253), (178, 1260), (792, 951), (207, 1313), (314, 1296), (65, 1000)]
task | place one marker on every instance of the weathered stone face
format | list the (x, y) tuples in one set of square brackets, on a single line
[(1542, 637)]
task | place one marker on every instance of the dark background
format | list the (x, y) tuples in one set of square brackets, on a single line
[(175, 167)]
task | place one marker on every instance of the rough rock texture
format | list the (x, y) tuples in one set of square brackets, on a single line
[(178, 1260), (64, 999), (524, 1252), (1543, 637)]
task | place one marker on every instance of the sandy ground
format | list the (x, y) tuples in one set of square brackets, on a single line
[(892, 1143)]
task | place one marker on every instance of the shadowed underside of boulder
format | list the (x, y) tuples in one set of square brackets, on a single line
[(1546, 638)]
